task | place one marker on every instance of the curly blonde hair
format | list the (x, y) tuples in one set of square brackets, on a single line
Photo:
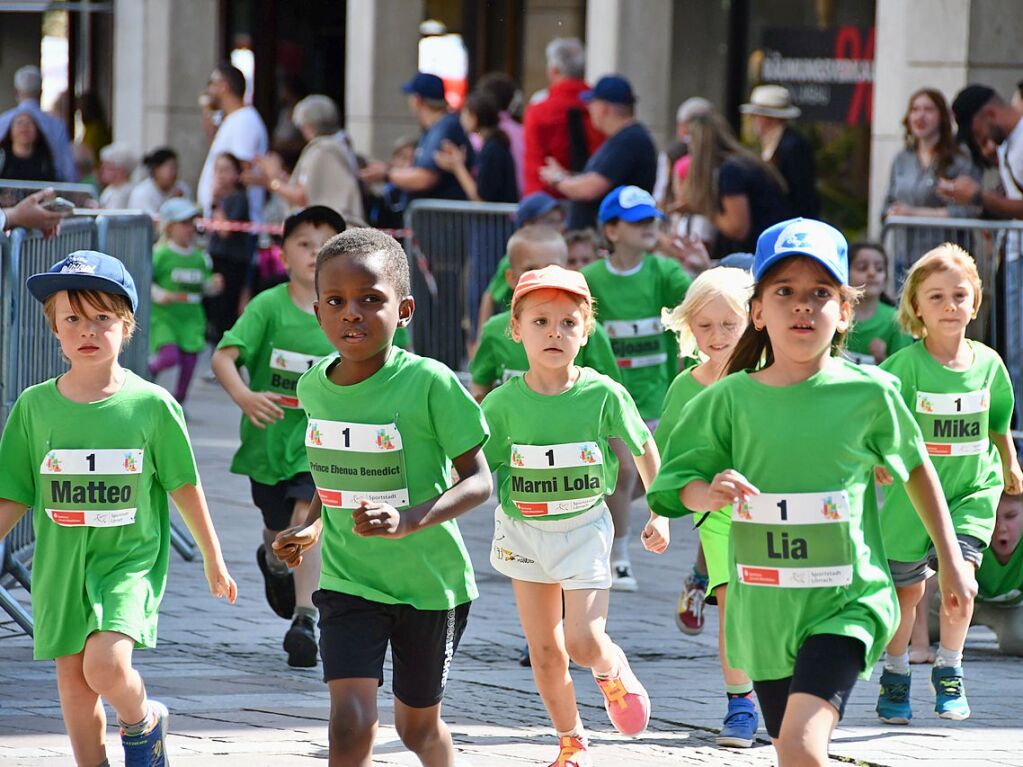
[(941, 259)]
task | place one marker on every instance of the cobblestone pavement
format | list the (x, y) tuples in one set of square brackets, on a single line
[(234, 701)]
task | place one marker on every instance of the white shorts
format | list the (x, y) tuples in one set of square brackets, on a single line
[(575, 552)]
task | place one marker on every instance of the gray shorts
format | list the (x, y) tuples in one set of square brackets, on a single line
[(908, 573)]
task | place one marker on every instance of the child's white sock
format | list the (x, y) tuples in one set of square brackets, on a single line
[(620, 549), (575, 732), (948, 658), (897, 664)]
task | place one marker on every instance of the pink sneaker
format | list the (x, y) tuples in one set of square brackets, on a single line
[(573, 753), (625, 699)]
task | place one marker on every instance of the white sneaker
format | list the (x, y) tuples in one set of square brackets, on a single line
[(622, 578)]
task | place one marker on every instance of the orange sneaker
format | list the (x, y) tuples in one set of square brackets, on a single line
[(625, 699), (573, 753)]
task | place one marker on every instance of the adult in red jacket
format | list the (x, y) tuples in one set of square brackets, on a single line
[(559, 125)]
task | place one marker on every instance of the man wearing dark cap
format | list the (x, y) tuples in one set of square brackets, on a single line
[(628, 157), (424, 178)]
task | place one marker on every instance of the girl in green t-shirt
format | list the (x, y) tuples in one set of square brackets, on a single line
[(709, 322), (875, 333), (789, 440), (94, 453)]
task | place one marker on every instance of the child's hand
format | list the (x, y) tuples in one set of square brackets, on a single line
[(882, 476), (260, 407), (879, 350), (958, 587), (215, 285), (1013, 479), (694, 255), (289, 544), (377, 519), (656, 535), (727, 487), (220, 581)]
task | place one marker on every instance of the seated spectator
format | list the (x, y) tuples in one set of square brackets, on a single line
[(495, 166), (116, 163), (24, 154), (161, 184)]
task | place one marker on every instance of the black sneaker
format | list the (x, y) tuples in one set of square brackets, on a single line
[(280, 589), (300, 642)]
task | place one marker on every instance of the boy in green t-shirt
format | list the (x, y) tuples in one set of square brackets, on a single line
[(182, 275), (94, 453), (385, 430), (498, 357), (875, 333), (631, 288), (276, 340), (999, 604)]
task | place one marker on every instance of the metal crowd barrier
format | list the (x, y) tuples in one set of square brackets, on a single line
[(13, 192), (454, 247)]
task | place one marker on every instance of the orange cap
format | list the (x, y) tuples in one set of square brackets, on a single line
[(552, 276)]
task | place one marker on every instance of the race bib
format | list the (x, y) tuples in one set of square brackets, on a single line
[(351, 461), (954, 424), (554, 480), (187, 277), (285, 370), (637, 343), (793, 540), (91, 488)]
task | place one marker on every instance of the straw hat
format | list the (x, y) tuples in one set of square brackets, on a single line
[(771, 101)]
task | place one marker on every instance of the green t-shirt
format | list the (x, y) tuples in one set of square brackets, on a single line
[(1001, 583), (681, 391), (629, 307), (401, 339), (499, 357), (956, 411), (391, 439), (498, 287), (96, 476), (806, 555), (550, 452), (882, 325), (182, 324), (276, 342)]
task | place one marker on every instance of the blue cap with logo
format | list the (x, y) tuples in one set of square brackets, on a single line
[(532, 206), (614, 89), (426, 86), (803, 237), (628, 203), (85, 270)]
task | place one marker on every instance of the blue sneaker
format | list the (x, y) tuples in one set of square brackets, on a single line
[(893, 703), (950, 693), (148, 749), (740, 727)]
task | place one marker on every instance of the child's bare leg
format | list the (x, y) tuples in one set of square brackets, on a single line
[(909, 598), (920, 639), (585, 630), (424, 733), (953, 633), (734, 677), (700, 565), (106, 666), (307, 574), (84, 718), (353, 722), (539, 607), (805, 731)]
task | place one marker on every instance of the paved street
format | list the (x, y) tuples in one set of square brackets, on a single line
[(234, 701)]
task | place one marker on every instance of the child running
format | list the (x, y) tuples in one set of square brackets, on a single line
[(631, 288), (875, 333), (385, 430), (182, 275), (790, 440), (552, 530), (94, 453), (276, 340), (498, 357), (961, 395), (709, 323)]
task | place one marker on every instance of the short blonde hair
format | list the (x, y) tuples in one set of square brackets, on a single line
[(735, 286), (942, 259), (99, 300)]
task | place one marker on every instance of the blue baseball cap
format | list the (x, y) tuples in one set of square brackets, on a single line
[(85, 270), (803, 237), (174, 210), (533, 206), (738, 260), (628, 203), (426, 86), (614, 89)]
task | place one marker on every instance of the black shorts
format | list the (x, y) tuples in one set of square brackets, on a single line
[(827, 666), (277, 502), (355, 632)]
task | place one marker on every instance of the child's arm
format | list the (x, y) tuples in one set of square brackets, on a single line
[(191, 502), (289, 544), (10, 513), (473, 488), (957, 582), (479, 391), (726, 488), (259, 407), (656, 535), (164, 296), (1011, 471)]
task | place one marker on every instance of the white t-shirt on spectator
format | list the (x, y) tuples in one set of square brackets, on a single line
[(243, 134), (1010, 168)]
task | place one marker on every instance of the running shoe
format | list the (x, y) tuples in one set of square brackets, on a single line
[(148, 748), (300, 642), (279, 589), (740, 726), (893, 705), (622, 578), (625, 699), (572, 753), (949, 689), (689, 613)]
